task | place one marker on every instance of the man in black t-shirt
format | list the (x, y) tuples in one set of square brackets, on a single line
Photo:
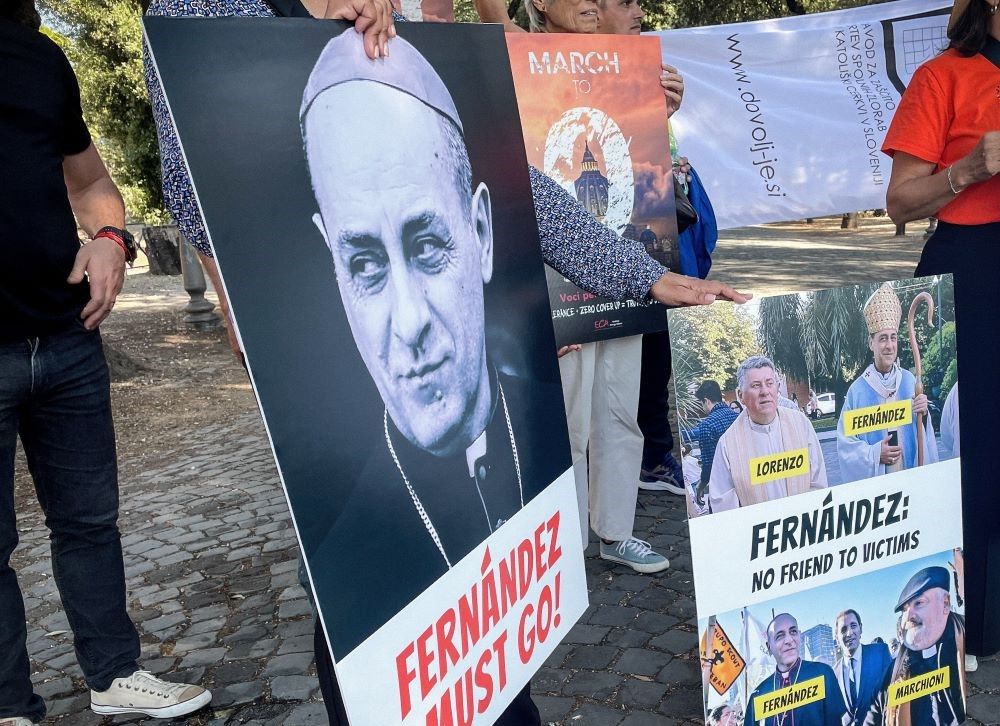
[(54, 388)]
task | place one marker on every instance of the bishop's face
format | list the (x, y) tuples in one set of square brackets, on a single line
[(884, 346), (410, 255), (783, 640)]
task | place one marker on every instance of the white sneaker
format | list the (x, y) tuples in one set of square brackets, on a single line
[(142, 692), (16, 721), (635, 553), (971, 663)]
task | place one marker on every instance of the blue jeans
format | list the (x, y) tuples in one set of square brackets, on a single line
[(54, 393)]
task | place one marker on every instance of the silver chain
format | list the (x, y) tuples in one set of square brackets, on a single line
[(418, 505)]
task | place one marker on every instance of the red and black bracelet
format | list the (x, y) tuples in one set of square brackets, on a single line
[(112, 234)]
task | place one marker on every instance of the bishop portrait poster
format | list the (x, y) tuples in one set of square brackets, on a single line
[(399, 344)]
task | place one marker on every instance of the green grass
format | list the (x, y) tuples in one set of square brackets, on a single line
[(827, 423)]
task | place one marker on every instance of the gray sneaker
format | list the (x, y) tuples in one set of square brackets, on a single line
[(636, 554), (16, 721), (142, 692)]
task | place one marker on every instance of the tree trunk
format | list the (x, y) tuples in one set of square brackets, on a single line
[(121, 366), (162, 249)]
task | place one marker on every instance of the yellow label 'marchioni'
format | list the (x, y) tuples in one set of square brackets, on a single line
[(785, 699), (779, 466), (883, 417), (918, 686)]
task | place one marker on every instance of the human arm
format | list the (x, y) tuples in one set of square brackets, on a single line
[(858, 458), (918, 140), (96, 203), (596, 259), (916, 191), (721, 492), (495, 11), (834, 708)]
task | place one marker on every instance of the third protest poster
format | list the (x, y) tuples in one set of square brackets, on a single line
[(825, 498)]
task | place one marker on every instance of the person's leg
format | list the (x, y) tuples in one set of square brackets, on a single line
[(577, 372), (327, 677), (973, 261), (615, 453), (615, 438), (16, 696), (522, 711), (660, 470), (69, 441), (654, 410)]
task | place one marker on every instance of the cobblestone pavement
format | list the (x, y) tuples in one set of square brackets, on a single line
[(211, 562)]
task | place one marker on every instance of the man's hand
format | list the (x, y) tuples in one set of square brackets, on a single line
[(681, 291), (103, 261), (567, 349), (372, 18), (920, 404), (672, 84), (890, 454)]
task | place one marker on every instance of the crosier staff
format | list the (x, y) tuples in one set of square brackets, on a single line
[(919, 387)]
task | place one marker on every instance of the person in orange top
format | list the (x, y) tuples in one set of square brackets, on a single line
[(945, 147)]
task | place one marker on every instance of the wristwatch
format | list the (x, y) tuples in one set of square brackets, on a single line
[(124, 239)]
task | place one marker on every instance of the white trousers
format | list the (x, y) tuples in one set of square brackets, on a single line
[(601, 390)]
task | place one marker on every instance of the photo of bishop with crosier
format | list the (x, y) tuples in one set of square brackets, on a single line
[(868, 444)]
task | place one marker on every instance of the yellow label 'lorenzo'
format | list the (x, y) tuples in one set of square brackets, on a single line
[(883, 417), (779, 466), (785, 699), (913, 688)]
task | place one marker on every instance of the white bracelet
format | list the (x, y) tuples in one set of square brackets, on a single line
[(951, 183)]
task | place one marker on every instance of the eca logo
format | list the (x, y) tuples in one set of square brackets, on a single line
[(600, 324)]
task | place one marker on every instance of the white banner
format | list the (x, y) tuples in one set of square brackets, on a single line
[(785, 119), (759, 554)]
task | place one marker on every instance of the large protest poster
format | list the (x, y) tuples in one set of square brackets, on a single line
[(822, 536), (784, 119), (374, 225), (594, 121)]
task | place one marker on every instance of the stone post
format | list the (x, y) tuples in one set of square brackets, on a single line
[(200, 313)]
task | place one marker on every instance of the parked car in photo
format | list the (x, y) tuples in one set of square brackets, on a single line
[(825, 404)]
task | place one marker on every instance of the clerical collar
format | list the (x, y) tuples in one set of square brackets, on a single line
[(930, 652), (763, 428), (886, 378), (476, 452)]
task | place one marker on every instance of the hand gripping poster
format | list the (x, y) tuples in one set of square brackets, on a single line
[(594, 120), (374, 226), (825, 499)]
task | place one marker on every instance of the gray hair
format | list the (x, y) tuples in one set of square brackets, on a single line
[(536, 18), (751, 363)]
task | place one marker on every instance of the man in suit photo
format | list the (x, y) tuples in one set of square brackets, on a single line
[(860, 668)]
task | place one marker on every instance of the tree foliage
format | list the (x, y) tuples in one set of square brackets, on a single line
[(103, 40), (709, 343)]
